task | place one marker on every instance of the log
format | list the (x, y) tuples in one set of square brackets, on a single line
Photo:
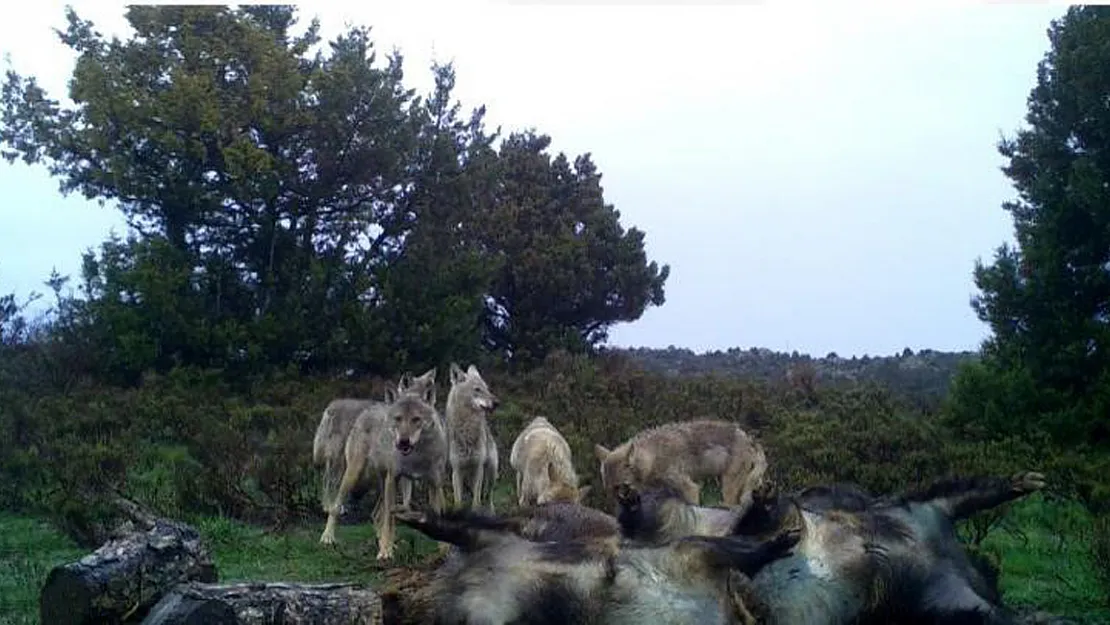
[(126, 575), (267, 603)]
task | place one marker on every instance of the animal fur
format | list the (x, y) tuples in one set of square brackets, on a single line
[(402, 437), (684, 454), (335, 426), (894, 559), (473, 454), (499, 577), (544, 470), (660, 515)]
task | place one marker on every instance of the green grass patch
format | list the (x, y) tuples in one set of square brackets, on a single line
[(29, 548), (1044, 549)]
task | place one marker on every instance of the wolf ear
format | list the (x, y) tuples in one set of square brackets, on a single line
[(473, 371), (429, 376), (457, 374), (601, 452), (390, 394), (405, 381)]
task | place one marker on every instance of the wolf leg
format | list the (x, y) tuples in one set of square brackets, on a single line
[(476, 493), (406, 493), (960, 499), (355, 464), (384, 523)]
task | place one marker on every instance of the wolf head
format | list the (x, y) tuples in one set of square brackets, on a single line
[(617, 466), (564, 493), (410, 413), (471, 389)]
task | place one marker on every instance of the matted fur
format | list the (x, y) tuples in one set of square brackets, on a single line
[(890, 559), (544, 469), (401, 437), (473, 449), (498, 577), (659, 515), (684, 454)]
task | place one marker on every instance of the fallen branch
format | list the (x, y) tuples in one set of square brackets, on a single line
[(127, 574), (272, 603)]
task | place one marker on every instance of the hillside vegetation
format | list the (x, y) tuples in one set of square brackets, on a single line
[(304, 227)]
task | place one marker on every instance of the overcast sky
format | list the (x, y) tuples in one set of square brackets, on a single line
[(819, 179)]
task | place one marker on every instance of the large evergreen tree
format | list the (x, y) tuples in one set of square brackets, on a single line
[(296, 207), (567, 269), (1047, 299)]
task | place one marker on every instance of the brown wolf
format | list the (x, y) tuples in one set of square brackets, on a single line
[(542, 460), (684, 454), (335, 426), (880, 560), (472, 448), (401, 437), (498, 577)]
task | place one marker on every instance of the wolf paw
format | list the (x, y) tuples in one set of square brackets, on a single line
[(1028, 481), (327, 538), (385, 554)]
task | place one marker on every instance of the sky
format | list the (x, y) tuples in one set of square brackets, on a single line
[(819, 178)]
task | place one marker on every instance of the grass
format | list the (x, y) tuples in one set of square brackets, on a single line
[(1045, 555), (1042, 547), (29, 548)]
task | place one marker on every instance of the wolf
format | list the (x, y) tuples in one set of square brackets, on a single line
[(501, 578), (400, 437), (472, 447), (684, 454), (880, 559), (544, 470), (335, 426)]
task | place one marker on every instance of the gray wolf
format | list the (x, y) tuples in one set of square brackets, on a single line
[(472, 448), (335, 426), (880, 559), (683, 454), (401, 437), (544, 470), (501, 578)]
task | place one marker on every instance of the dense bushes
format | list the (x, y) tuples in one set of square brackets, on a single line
[(190, 441)]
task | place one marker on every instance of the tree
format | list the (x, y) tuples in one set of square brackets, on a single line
[(272, 178), (1047, 299), (433, 289), (567, 269)]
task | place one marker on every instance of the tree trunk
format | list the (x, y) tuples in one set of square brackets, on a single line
[(267, 603), (127, 574)]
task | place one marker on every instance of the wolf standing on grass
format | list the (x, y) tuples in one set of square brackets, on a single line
[(473, 450), (402, 436), (684, 454), (335, 426), (544, 471)]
